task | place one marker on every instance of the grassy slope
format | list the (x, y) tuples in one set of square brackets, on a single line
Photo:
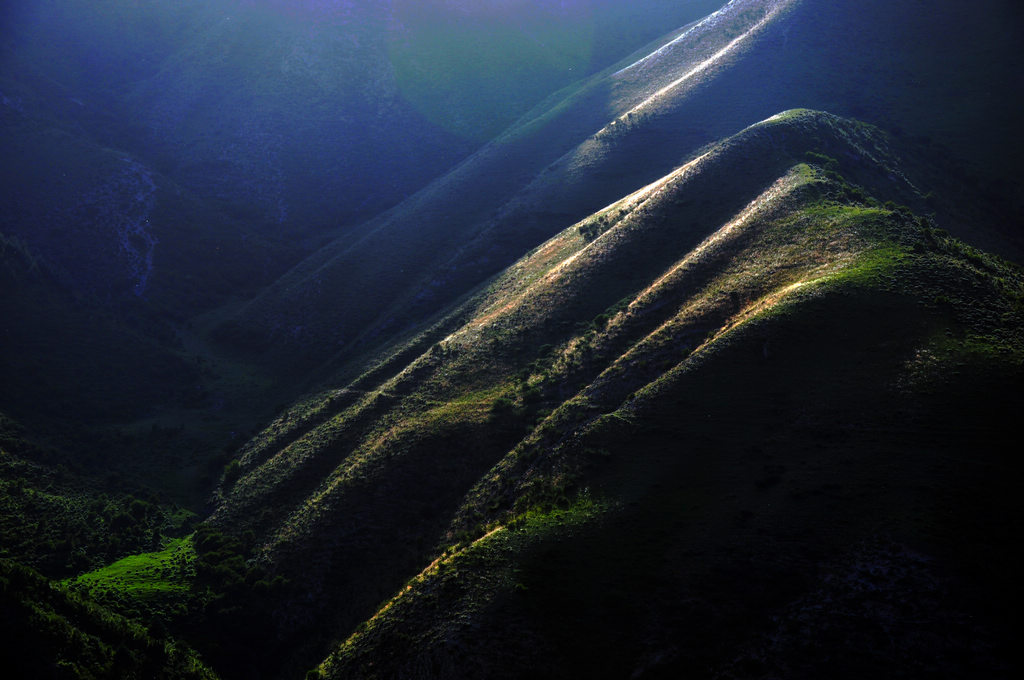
[(816, 432), (161, 575), (59, 517), (353, 491), (50, 632), (566, 159), (549, 298), (201, 590)]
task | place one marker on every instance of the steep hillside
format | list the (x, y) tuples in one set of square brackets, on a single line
[(50, 633), (631, 124), (687, 382), (610, 364), (788, 455)]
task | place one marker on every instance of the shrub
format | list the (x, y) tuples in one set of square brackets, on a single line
[(589, 231), (532, 395), (232, 471), (501, 405), (820, 159)]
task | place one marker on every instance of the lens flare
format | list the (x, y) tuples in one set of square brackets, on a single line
[(453, 59)]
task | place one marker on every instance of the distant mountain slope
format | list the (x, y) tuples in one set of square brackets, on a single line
[(629, 125), (55, 349), (285, 121), (160, 160), (109, 225), (108, 384), (752, 329)]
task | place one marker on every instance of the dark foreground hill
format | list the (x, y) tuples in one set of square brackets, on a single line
[(783, 452), (750, 419), (51, 633)]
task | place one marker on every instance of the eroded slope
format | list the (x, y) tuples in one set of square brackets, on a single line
[(760, 293)]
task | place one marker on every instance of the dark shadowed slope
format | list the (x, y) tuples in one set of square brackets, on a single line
[(51, 633), (756, 313), (629, 125), (788, 455)]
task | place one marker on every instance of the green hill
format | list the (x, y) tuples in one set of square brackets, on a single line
[(448, 339), (788, 455), (752, 364)]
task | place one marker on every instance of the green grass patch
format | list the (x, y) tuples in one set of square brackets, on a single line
[(870, 267), (146, 576)]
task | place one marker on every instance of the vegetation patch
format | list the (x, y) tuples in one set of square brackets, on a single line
[(53, 632), (167, 573)]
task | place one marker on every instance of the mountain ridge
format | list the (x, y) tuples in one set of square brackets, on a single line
[(668, 377), (579, 176), (592, 460), (538, 380)]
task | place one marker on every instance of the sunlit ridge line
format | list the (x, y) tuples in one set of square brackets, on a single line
[(401, 595), (759, 205), (709, 19), (702, 66), (632, 202)]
